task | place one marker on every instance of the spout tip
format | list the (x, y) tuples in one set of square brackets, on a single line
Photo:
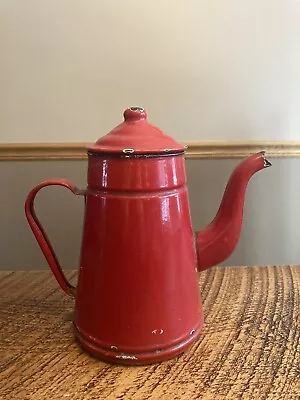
[(267, 163)]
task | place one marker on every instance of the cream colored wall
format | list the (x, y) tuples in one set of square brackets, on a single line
[(223, 69), (226, 69), (270, 234)]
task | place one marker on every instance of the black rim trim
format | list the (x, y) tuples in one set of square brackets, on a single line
[(132, 155)]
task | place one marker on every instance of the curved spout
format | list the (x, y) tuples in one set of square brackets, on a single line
[(217, 241)]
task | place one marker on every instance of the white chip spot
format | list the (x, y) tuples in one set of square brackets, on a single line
[(156, 331), (126, 357)]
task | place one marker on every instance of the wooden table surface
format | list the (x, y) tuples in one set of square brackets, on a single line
[(249, 348)]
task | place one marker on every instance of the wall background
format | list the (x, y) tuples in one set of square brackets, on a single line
[(203, 69)]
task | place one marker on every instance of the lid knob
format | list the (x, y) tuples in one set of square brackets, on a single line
[(134, 114)]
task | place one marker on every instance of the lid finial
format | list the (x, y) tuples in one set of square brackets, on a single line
[(135, 114)]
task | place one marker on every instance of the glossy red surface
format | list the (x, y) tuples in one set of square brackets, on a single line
[(135, 135), (137, 299), (138, 264), (218, 240), (41, 235)]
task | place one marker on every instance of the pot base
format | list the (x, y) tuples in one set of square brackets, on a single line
[(138, 358)]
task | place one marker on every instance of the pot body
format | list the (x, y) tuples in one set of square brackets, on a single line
[(137, 299)]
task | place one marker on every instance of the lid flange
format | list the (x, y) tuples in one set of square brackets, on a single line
[(135, 155)]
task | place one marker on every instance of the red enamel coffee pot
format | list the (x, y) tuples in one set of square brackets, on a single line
[(137, 300)]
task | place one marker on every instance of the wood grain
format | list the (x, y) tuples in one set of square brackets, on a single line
[(249, 349)]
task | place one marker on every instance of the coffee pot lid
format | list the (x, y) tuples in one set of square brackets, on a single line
[(137, 136)]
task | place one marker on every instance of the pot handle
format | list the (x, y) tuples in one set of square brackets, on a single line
[(41, 235)]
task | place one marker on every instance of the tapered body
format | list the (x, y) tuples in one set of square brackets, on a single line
[(137, 293), (137, 299)]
